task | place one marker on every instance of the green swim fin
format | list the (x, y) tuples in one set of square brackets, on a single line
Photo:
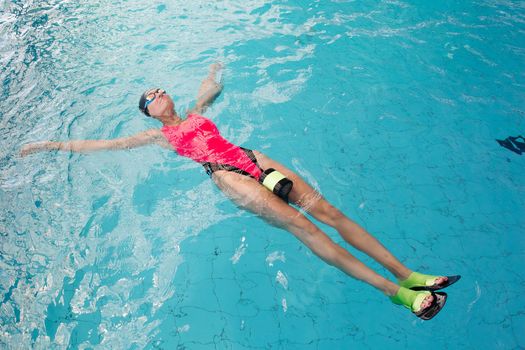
[(412, 300), (419, 281)]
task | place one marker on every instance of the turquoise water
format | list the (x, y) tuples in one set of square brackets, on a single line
[(391, 109)]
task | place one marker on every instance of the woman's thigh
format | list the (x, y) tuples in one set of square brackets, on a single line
[(248, 194), (302, 194)]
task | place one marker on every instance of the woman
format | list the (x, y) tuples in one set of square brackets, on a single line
[(240, 173)]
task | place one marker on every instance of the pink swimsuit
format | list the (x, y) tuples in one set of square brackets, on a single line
[(198, 138)]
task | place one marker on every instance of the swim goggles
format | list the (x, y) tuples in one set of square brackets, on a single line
[(147, 98), (151, 97)]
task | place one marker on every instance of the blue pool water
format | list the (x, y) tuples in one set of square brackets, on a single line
[(391, 109)]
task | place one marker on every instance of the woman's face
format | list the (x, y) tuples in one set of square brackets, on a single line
[(161, 103)]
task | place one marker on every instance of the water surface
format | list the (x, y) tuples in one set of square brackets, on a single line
[(391, 109)]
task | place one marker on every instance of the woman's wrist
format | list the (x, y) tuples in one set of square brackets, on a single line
[(39, 147)]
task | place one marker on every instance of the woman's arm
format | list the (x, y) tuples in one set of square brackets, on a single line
[(140, 139), (209, 90)]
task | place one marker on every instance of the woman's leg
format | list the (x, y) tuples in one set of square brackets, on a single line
[(312, 202), (249, 194)]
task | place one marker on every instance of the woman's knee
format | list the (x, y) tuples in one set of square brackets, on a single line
[(324, 247), (328, 214), (299, 224)]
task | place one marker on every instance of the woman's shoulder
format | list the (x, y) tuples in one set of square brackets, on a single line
[(153, 132), (157, 136)]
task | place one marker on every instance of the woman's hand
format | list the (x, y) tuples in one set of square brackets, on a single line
[(215, 68), (210, 85), (209, 90), (35, 147)]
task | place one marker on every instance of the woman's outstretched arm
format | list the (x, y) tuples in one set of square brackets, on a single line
[(141, 139), (209, 90)]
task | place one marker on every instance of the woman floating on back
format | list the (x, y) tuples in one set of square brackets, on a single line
[(259, 184)]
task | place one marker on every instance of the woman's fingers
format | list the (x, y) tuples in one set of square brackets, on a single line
[(34, 147), (214, 68), (26, 150)]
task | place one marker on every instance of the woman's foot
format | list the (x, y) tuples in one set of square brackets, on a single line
[(426, 302), (429, 310), (419, 281), (440, 280), (424, 305)]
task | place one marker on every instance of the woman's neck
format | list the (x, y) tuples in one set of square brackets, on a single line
[(172, 119)]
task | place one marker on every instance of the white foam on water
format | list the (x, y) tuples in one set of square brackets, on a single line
[(275, 256), (239, 251), (281, 279)]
